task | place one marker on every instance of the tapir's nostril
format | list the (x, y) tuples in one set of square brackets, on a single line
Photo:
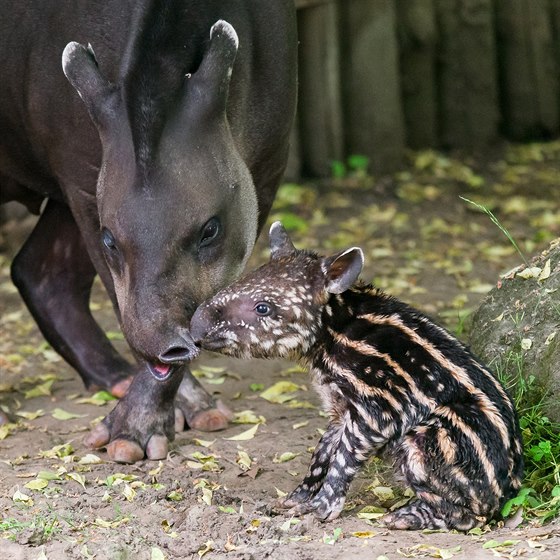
[(178, 353)]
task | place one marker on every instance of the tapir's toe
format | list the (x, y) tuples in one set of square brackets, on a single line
[(98, 437), (4, 418), (212, 419), (125, 451), (157, 447)]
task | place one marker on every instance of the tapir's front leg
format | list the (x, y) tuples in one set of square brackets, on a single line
[(320, 463), (54, 275), (142, 423), (354, 447)]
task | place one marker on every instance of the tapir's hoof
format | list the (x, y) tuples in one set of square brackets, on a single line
[(212, 419), (120, 389), (4, 418), (157, 448), (98, 437), (125, 451)]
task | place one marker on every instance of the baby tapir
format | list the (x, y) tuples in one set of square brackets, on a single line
[(392, 381)]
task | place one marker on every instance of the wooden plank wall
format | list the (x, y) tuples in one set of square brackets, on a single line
[(379, 76)]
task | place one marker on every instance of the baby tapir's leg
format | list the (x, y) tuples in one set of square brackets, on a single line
[(450, 486), (353, 449), (320, 463)]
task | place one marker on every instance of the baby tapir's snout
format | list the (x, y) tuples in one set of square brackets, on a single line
[(202, 321)]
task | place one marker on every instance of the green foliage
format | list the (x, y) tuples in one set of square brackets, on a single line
[(540, 495), (497, 223), (41, 528), (355, 166)]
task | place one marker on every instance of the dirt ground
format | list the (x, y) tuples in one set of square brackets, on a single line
[(213, 496)]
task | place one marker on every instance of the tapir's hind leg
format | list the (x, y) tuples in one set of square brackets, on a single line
[(54, 275), (449, 481)]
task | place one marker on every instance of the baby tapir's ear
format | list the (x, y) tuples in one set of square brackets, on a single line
[(280, 243), (342, 270)]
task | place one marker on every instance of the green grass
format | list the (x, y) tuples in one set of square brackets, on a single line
[(540, 495), (40, 529)]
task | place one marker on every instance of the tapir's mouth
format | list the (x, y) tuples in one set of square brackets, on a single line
[(160, 370)]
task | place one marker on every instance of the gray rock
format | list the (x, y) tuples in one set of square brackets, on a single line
[(517, 327)]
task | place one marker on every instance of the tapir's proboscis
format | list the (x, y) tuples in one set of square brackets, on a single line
[(151, 137)]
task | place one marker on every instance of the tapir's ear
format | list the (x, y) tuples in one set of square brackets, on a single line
[(280, 243), (80, 67), (342, 270), (209, 85)]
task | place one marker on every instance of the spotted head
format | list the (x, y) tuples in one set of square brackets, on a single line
[(276, 310)]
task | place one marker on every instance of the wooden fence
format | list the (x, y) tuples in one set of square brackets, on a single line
[(378, 76)]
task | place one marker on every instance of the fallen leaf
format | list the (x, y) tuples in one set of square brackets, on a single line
[(530, 272), (247, 417), (175, 496), (280, 392), (128, 492), (208, 546), (203, 442), (497, 544), (37, 484), (98, 399), (299, 425), (364, 534), (58, 451), (60, 414), (285, 457), (90, 459), (545, 272), (44, 389), (31, 415), (384, 493), (331, 539), (288, 524), (550, 338), (48, 475), (243, 460), (76, 477), (246, 435), (526, 343), (20, 497), (7, 430)]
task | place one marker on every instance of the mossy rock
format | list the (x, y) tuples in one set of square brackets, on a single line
[(517, 327)]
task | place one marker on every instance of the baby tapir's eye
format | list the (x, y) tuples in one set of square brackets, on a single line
[(263, 309)]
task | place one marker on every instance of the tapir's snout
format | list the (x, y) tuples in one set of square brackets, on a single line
[(180, 349), (201, 323)]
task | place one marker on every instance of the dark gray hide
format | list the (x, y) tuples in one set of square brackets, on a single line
[(194, 128)]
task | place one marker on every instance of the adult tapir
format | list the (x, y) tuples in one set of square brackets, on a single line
[(153, 135)]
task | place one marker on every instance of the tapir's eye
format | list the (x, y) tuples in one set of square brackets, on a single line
[(108, 239), (210, 231), (263, 309)]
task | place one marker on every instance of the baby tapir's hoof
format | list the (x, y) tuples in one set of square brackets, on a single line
[(421, 515)]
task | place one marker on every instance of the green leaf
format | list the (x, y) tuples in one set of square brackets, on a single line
[(60, 414), (98, 399), (37, 484)]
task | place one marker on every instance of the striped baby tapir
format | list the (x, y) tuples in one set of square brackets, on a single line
[(393, 382)]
